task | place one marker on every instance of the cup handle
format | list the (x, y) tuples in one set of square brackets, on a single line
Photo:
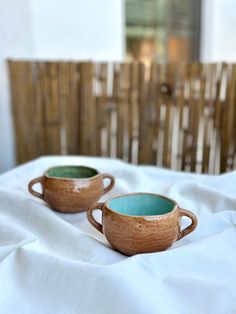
[(91, 219), (190, 228), (30, 187), (111, 184)]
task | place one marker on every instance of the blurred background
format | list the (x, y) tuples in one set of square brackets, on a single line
[(109, 30)]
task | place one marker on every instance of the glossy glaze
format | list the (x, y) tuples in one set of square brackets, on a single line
[(133, 234), (64, 192)]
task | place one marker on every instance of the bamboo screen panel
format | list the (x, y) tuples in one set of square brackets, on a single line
[(179, 116)]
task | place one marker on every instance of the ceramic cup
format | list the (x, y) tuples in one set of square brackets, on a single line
[(71, 189), (141, 222)]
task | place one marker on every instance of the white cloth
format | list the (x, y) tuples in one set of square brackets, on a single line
[(58, 263)]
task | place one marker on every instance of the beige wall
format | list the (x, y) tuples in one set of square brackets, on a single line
[(218, 42)]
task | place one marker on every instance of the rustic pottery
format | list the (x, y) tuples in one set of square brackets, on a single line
[(141, 222), (71, 189)]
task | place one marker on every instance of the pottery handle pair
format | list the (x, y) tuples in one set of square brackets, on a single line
[(33, 182), (183, 212)]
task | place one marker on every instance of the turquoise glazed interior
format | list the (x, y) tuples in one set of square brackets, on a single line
[(71, 172), (141, 205)]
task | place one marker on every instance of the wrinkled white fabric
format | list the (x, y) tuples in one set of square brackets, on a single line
[(58, 263)]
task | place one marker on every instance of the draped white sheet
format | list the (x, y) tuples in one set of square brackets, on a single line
[(58, 263)]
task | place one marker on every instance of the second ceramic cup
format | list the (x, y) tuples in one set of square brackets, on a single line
[(141, 222), (71, 189)]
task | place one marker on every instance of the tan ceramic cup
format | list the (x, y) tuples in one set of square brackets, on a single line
[(141, 222), (71, 189)]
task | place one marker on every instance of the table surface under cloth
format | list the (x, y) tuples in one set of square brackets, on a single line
[(58, 263)]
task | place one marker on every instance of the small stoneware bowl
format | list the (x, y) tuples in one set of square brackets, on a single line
[(71, 189), (141, 222)]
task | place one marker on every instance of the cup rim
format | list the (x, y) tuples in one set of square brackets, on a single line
[(70, 179), (175, 207)]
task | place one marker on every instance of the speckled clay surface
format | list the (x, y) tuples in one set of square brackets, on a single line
[(133, 234), (71, 189)]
